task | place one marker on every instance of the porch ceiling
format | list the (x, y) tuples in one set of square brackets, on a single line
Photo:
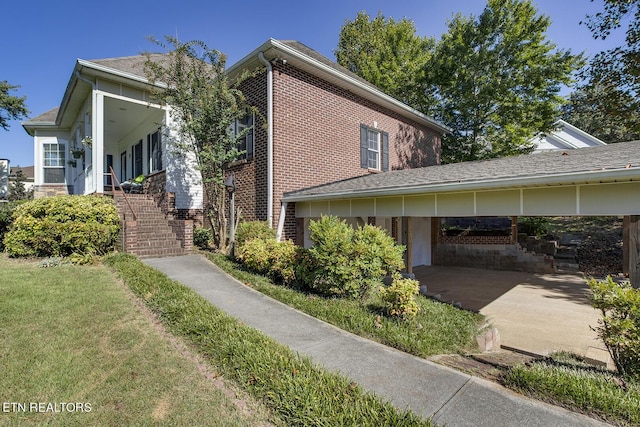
[(121, 117)]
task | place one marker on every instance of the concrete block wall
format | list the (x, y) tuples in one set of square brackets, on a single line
[(492, 257)]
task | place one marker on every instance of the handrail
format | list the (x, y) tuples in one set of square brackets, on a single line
[(124, 195)]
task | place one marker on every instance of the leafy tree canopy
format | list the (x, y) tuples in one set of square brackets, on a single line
[(616, 72), (608, 121), (497, 80), (203, 103), (388, 54), (11, 107)]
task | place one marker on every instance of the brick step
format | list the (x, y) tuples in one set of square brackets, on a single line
[(148, 244), (145, 241), (158, 253), (148, 240)]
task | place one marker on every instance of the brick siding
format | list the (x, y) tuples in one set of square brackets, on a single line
[(316, 140)]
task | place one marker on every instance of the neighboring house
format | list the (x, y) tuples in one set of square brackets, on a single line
[(4, 178), (565, 137), (323, 123), (27, 171)]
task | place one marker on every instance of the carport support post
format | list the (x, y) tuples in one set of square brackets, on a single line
[(514, 230), (634, 250), (407, 240)]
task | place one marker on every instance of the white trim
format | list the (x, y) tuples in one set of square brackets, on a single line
[(614, 175), (269, 139), (346, 78)]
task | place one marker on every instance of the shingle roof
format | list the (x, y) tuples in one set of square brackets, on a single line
[(620, 156), (48, 117), (129, 64)]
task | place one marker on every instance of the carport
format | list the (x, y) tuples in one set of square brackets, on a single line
[(534, 313), (602, 181)]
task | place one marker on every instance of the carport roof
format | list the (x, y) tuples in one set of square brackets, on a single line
[(608, 163)]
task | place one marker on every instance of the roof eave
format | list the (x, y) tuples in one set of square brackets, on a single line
[(588, 177), (380, 96)]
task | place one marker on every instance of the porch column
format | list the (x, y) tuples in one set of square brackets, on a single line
[(97, 127), (634, 250), (283, 212), (407, 240)]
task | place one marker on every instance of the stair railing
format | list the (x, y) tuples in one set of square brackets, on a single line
[(114, 179)]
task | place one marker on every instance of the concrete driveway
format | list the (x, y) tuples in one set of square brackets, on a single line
[(535, 313)]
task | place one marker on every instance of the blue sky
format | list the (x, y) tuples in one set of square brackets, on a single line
[(44, 39)]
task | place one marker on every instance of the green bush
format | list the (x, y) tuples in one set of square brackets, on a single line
[(6, 219), (266, 256), (63, 225), (400, 297), (344, 261), (253, 230), (533, 225), (202, 237), (619, 327)]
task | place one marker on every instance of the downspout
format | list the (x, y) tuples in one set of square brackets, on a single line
[(269, 139)]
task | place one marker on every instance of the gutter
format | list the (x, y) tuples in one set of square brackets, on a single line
[(269, 138), (600, 176)]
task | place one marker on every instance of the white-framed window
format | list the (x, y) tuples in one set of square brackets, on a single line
[(374, 149), (244, 129), (54, 156)]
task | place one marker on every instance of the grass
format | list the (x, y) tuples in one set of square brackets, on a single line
[(438, 328), (566, 380), (300, 393), (73, 334)]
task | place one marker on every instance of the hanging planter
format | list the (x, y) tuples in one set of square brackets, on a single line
[(77, 153)]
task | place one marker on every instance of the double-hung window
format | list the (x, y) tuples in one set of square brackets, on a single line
[(374, 149), (53, 163), (243, 129)]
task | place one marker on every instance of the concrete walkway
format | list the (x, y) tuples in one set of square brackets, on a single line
[(447, 396)]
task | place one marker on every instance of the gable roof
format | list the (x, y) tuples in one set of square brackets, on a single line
[(311, 61), (565, 136), (620, 161)]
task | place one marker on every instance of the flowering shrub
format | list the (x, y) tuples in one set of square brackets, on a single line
[(63, 225), (400, 297)]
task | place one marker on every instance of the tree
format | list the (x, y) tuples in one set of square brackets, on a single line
[(593, 109), (497, 80), (388, 54), (203, 104), (617, 70), (11, 107), (17, 190)]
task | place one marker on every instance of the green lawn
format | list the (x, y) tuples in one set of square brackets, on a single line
[(73, 340)]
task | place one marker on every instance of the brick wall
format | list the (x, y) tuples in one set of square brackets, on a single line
[(475, 240), (316, 138)]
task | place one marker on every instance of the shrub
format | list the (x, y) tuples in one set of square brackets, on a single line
[(619, 327), (202, 237), (344, 261), (533, 225), (266, 256), (63, 225), (253, 230), (400, 297), (6, 219)]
